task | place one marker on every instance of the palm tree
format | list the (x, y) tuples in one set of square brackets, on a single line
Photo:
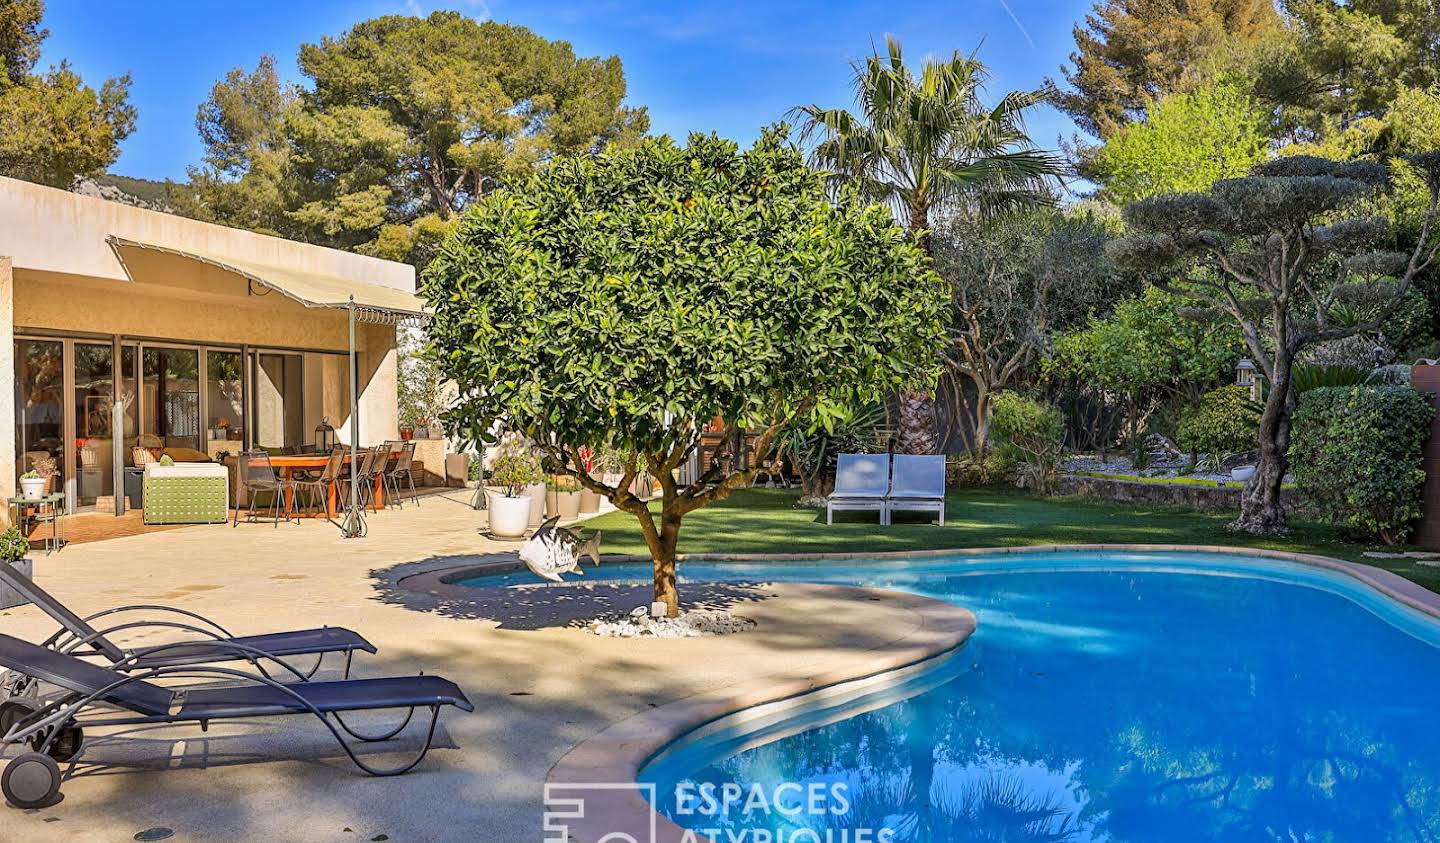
[(928, 143)]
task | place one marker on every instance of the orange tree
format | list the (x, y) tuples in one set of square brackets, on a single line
[(627, 299)]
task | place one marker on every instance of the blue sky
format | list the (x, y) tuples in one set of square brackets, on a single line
[(728, 67)]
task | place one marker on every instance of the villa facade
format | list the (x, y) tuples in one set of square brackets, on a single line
[(203, 338)]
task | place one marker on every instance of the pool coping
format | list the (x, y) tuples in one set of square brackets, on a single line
[(617, 754)]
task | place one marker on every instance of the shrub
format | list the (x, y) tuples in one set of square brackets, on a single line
[(1225, 422), (515, 467), (13, 545), (1356, 452), (1029, 438)]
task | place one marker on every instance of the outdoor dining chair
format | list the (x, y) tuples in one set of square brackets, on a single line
[(92, 696), (372, 463), (399, 474), (861, 482), (316, 490), (257, 475)]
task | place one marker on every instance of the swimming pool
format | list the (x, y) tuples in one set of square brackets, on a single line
[(1105, 697)]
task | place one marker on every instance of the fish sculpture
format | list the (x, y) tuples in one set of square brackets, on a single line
[(553, 551)]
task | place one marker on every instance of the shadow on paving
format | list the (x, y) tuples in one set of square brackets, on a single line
[(548, 605)]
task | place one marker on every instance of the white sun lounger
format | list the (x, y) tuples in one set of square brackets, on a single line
[(918, 484), (861, 482)]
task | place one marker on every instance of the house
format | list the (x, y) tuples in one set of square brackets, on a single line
[(209, 339)]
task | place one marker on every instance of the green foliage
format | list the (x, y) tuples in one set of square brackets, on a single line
[(1149, 342), (1357, 453), (1308, 376), (404, 123), (922, 141), (1029, 439), (13, 545), (32, 474), (1191, 140), (629, 299), (53, 127), (167, 460), (1225, 422), (1132, 53), (420, 388), (815, 448), (563, 484), (516, 466)]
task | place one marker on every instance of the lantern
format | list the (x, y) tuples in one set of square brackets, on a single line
[(324, 436), (1245, 376)]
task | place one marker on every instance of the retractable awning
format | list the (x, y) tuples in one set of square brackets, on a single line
[(376, 302)]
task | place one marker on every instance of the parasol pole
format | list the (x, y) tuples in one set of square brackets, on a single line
[(353, 527)]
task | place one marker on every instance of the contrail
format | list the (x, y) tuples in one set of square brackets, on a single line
[(1018, 25)]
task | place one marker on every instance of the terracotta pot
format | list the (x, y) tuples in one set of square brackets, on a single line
[(569, 505), (536, 491), (407, 433), (589, 501), (508, 516)]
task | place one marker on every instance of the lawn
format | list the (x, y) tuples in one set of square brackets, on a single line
[(767, 521)]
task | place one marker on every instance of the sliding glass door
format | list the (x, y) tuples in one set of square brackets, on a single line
[(40, 410), (171, 396), (279, 400), (94, 396)]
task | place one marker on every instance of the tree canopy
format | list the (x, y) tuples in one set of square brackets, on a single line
[(1190, 140), (629, 299), (403, 123), (53, 127), (1131, 53)]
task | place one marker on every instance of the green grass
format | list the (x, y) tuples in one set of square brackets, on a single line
[(1171, 481), (767, 521)]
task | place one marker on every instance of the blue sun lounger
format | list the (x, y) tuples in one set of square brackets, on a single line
[(53, 728), (79, 636), (861, 482)]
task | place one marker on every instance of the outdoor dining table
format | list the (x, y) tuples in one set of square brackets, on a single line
[(288, 464)]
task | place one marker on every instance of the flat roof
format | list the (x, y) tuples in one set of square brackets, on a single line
[(52, 230)]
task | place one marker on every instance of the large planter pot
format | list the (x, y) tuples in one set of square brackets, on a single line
[(552, 501), (1242, 473), (32, 487), (536, 491), (509, 517), (589, 501), (569, 505), (9, 597)]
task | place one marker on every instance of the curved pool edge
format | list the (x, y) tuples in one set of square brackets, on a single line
[(441, 582), (616, 755)]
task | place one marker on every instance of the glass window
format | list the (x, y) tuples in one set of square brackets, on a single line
[(172, 396), (224, 401), (94, 409), (39, 410)]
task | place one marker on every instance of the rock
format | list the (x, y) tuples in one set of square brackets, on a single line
[(692, 624)]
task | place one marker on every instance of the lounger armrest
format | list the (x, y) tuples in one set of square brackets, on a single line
[(145, 607)]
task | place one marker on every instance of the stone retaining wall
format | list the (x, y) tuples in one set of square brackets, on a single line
[(1174, 494)]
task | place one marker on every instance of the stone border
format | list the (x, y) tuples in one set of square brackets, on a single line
[(617, 754)]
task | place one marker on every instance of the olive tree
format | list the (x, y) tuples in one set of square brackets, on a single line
[(628, 299), (1278, 253)]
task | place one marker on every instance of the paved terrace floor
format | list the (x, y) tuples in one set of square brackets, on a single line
[(538, 689)]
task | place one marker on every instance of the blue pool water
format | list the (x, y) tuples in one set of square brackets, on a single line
[(1104, 697)]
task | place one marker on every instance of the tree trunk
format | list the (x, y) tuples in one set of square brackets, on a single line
[(1261, 512), (917, 423), (661, 544)]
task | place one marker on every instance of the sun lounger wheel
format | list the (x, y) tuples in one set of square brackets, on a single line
[(31, 780)]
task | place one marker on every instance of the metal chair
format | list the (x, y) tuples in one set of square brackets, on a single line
[(401, 472), (258, 475), (372, 463), (317, 488)]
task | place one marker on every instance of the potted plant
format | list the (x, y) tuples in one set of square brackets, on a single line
[(515, 470), (562, 496), (32, 485), (46, 467), (13, 547)]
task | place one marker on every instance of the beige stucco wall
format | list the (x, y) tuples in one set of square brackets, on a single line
[(52, 230)]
